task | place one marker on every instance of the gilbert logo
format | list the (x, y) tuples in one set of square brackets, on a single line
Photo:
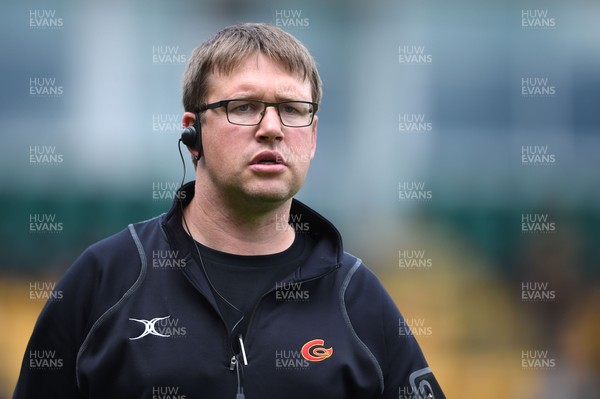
[(315, 351), (150, 328)]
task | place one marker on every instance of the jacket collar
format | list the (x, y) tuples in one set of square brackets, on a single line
[(325, 257)]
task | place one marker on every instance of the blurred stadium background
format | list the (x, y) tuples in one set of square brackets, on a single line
[(90, 112)]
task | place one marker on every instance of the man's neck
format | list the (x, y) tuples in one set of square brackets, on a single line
[(242, 231)]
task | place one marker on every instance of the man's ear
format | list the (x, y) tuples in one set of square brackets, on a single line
[(313, 147), (188, 119)]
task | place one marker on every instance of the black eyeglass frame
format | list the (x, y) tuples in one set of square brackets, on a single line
[(225, 103)]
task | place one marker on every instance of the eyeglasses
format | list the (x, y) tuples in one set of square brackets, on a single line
[(252, 112)]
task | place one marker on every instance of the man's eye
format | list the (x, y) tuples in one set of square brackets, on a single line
[(289, 109), (242, 107)]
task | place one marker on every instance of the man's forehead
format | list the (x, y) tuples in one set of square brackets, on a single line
[(258, 73)]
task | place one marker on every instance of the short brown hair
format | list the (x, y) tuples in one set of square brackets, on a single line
[(232, 45)]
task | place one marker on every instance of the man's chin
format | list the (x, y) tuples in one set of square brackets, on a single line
[(269, 196)]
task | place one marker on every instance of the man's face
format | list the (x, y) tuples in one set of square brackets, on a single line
[(267, 162)]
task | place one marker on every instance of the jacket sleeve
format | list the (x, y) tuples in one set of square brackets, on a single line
[(380, 325), (48, 367), (90, 287)]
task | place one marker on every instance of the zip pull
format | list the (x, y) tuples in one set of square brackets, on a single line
[(243, 350), (240, 388), (235, 365)]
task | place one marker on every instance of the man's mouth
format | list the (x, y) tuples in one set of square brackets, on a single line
[(268, 162), (268, 158)]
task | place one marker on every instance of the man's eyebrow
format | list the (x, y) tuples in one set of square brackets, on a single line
[(287, 98), (254, 96)]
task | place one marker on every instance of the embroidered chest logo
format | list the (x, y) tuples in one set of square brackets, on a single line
[(150, 327), (315, 351)]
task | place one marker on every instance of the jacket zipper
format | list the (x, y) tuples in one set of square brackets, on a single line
[(235, 364)]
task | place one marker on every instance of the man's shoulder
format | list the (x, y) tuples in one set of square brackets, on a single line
[(124, 243), (363, 291), (359, 272)]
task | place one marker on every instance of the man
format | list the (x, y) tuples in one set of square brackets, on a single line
[(254, 307)]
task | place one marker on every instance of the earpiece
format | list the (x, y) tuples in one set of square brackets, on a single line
[(188, 136), (191, 136)]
